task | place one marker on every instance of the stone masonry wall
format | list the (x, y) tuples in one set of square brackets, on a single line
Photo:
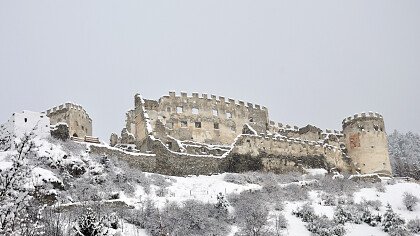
[(79, 122), (205, 119), (281, 154), (367, 143)]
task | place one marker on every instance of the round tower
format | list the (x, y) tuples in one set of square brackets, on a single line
[(367, 143)]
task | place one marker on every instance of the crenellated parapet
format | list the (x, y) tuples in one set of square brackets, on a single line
[(229, 102), (363, 116), (75, 116), (68, 106)]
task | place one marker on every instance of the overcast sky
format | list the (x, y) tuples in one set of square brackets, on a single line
[(309, 62)]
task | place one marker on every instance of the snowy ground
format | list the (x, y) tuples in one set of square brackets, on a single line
[(206, 188)]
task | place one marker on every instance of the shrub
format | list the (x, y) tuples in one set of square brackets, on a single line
[(356, 213), (88, 224), (328, 199), (306, 213), (391, 222), (281, 222), (380, 187), (161, 181), (235, 178), (293, 192), (251, 212), (410, 201), (375, 204), (323, 226), (414, 226)]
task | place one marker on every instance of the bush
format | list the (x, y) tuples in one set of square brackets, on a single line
[(88, 224), (414, 226), (357, 214), (235, 178), (375, 204), (251, 212), (306, 213), (161, 181), (328, 199), (323, 226), (340, 186), (410, 201), (193, 218), (281, 222), (391, 222)]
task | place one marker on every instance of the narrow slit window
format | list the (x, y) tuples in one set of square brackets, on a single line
[(26, 120)]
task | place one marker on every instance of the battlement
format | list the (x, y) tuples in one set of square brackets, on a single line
[(216, 99), (68, 106), (363, 115)]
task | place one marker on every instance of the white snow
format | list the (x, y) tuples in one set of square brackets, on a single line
[(202, 188)]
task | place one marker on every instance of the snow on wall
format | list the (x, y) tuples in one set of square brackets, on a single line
[(29, 121), (25, 122)]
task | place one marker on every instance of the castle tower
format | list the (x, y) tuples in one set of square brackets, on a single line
[(367, 143)]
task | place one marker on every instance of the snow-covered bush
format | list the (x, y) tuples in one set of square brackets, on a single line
[(323, 226), (251, 212), (89, 224), (193, 218), (375, 204), (339, 186), (328, 199), (294, 192), (235, 178), (221, 207), (380, 187), (414, 226), (161, 181), (281, 222), (357, 214), (410, 201), (392, 223), (305, 212)]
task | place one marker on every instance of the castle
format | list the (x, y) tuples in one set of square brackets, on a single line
[(209, 134), (185, 135), (77, 119), (72, 117)]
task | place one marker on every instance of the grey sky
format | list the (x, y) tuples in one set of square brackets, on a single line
[(307, 61)]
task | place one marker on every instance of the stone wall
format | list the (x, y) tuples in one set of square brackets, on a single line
[(79, 122), (282, 154), (204, 119), (367, 143)]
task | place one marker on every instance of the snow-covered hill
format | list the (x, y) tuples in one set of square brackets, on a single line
[(69, 189)]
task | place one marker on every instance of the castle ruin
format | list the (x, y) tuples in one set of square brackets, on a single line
[(208, 134), (77, 119)]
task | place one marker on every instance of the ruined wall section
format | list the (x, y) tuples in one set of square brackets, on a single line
[(205, 119), (285, 154), (367, 142), (79, 122)]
